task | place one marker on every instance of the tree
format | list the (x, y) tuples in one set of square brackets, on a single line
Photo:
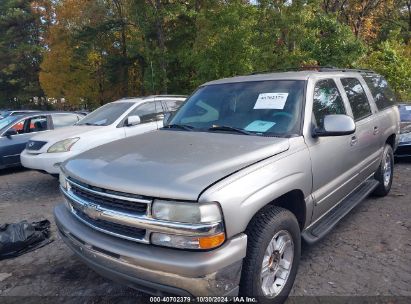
[(392, 58), (20, 50)]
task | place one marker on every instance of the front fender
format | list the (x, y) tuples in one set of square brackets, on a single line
[(244, 193)]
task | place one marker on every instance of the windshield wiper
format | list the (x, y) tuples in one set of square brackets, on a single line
[(227, 128), (177, 126)]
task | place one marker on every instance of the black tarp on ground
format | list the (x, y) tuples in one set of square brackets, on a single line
[(19, 238)]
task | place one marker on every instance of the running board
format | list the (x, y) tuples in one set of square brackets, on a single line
[(325, 224)]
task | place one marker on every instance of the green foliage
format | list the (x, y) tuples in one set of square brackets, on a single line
[(20, 51), (392, 58), (224, 43), (92, 52), (331, 43)]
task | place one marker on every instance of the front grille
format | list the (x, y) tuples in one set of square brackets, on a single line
[(129, 232), (35, 145), (98, 196)]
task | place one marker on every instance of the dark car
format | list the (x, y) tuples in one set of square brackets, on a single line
[(404, 147), (7, 113), (16, 130)]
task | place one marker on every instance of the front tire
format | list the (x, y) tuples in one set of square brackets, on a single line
[(273, 255), (385, 172)]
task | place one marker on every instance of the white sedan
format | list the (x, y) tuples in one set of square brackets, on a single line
[(113, 121)]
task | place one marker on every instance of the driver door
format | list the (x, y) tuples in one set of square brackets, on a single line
[(12, 146), (333, 158)]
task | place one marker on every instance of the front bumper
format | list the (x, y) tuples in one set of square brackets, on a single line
[(48, 162), (152, 269)]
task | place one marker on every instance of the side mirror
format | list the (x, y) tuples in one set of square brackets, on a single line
[(133, 120), (335, 125), (10, 132), (166, 118)]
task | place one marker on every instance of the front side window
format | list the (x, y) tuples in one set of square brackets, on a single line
[(327, 101), (105, 115), (380, 91), (271, 107), (148, 112), (356, 96), (63, 120)]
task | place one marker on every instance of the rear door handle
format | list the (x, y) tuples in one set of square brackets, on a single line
[(354, 140), (376, 130)]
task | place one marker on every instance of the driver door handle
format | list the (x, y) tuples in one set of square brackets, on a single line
[(354, 140)]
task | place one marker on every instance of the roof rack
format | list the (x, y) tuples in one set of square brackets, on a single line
[(316, 68)]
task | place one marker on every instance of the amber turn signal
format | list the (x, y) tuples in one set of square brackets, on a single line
[(209, 242)]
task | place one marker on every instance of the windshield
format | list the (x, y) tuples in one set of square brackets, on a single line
[(4, 114), (259, 108), (106, 114), (6, 121), (405, 113)]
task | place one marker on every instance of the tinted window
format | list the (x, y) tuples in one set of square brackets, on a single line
[(327, 101), (356, 96), (405, 112), (148, 112), (380, 90), (172, 105), (106, 114), (259, 107), (63, 120), (36, 124)]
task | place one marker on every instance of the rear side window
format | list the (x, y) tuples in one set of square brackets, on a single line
[(36, 124), (327, 101), (356, 96), (380, 90), (172, 105), (63, 120)]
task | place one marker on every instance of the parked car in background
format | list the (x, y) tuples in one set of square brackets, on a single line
[(16, 131), (404, 146), (6, 113), (116, 120), (216, 202)]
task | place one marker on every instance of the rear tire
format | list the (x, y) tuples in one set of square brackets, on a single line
[(385, 172), (273, 255)]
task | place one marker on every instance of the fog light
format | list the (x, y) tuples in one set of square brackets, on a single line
[(188, 242)]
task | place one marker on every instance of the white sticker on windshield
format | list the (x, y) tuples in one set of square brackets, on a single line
[(271, 101), (408, 108)]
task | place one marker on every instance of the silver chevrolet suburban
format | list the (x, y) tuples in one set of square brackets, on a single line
[(217, 202)]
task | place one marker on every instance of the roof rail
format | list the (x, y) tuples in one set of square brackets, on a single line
[(316, 68), (153, 96)]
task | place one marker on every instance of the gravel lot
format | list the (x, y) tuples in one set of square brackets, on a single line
[(367, 254)]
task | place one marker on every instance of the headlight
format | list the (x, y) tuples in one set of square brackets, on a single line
[(63, 180), (63, 146), (191, 213), (186, 212)]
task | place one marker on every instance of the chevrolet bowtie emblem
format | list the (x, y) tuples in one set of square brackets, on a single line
[(92, 211)]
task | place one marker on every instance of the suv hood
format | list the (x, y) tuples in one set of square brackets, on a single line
[(65, 132), (170, 164)]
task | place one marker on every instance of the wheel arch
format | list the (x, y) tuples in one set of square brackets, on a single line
[(292, 201)]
